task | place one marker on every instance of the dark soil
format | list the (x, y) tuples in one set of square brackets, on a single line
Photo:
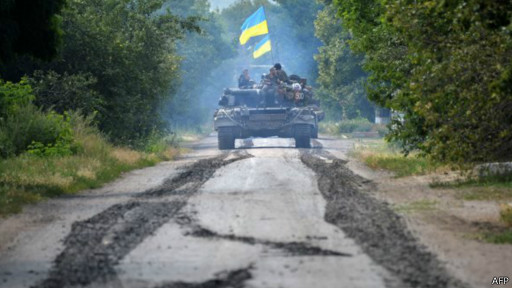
[(96, 245), (380, 232), (196, 175), (292, 248), (229, 279)]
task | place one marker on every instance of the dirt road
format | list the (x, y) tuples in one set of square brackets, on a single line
[(262, 215)]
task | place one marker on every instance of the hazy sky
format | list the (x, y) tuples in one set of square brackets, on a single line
[(221, 3)]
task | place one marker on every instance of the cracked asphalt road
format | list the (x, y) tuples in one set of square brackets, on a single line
[(262, 215)]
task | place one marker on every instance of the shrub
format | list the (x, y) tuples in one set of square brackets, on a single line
[(63, 142), (24, 126), (355, 125), (66, 92), (14, 96)]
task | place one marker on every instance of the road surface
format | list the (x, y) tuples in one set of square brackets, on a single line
[(262, 215)]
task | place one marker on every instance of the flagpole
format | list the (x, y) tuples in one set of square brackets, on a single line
[(268, 24)]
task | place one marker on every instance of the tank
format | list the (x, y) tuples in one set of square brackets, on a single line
[(245, 113)]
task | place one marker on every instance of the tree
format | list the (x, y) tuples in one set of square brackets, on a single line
[(29, 28), (461, 51), (341, 77), (126, 52), (445, 66), (302, 14), (201, 53)]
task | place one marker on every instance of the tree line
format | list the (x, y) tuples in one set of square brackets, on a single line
[(124, 62), (444, 67), (138, 66)]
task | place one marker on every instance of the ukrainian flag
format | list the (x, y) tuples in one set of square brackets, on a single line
[(262, 47), (255, 25)]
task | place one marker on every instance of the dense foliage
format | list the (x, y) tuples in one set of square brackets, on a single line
[(137, 65), (201, 53), (124, 54), (29, 28), (24, 126), (341, 76), (446, 65)]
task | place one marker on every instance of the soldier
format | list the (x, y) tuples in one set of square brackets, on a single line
[(270, 86), (272, 78), (281, 75), (244, 81)]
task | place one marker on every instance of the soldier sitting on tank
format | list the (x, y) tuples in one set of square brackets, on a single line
[(270, 87), (244, 81), (281, 75)]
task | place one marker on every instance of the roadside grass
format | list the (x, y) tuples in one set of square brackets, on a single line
[(485, 193), (490, 188), (499, 238), (184, 134), (416, 206), (345, 128), (28, 178), (377, 154)]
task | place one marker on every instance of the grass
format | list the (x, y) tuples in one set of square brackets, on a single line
[(184, 134), (416, 206), (347, 127), (377, 154), (488, 189), (499, 238), (28, 179), (491, 188), (488, 193)]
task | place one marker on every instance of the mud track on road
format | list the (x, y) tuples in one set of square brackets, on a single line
[(96, 245), (227, 279), (380, 232), (292, 248)]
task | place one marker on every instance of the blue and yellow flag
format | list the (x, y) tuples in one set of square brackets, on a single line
[(255, 25), (262, 47)]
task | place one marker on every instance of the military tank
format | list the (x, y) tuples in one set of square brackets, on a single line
[(245, 113)]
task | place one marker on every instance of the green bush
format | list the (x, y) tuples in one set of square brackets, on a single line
[(66, 92), (158, 142), (14, 96), (62, 144), (24, 126), (355, 125)]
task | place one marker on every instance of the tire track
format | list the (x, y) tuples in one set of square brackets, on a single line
[(96, 245), (293, 248), (372, 224)]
